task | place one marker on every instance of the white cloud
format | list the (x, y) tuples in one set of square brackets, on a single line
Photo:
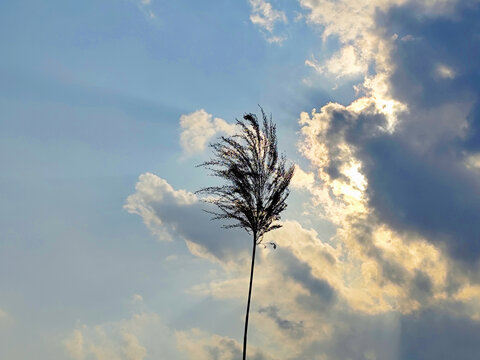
[(150, 191), (379, 270), (74, 345), (145, 336), (141, 336), (472, 162), (351, 20), (400, 271), (345, 191), (178, 215), (302, 179), (137, 299), (185, 221), (198, 127), (276, 39), (367, 268), (445, 71), (265, 16), (133, 350), (362, 45), (199, 345), (347, 62), (309, 267)]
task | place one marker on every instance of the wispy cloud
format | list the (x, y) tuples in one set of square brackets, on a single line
[(145, 7), (265, 16)]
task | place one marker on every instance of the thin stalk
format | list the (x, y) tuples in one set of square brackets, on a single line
[(249, 297)]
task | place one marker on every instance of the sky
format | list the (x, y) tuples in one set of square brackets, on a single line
[(106, 108)]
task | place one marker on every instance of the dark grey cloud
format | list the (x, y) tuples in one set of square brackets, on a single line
[(322, 294), (352, 128), (431, 334), (425, 41), (421, 286), (360, 337), (417, 182), (438, 198), (181, 215), (428, 191), (194, 224), (435, 334), (226, 348), (452, 40), (417, 176), (294, 328)]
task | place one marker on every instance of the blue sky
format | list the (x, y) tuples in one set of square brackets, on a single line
[(106, 108)]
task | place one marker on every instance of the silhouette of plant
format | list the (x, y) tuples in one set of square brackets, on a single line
[(256, 185)]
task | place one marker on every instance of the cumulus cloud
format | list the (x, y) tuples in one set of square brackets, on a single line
[(396, 171), (126, 339), (395, 166), (178, 215), (365, 50), (302, 179), (198, 127), (145, 336), (346, 63), (265, 16), (319, 277), (152, 191), (200, 345), (397, 174), (404, 267), (397, 155), (354, 24), (338, 291), (437, 135)]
